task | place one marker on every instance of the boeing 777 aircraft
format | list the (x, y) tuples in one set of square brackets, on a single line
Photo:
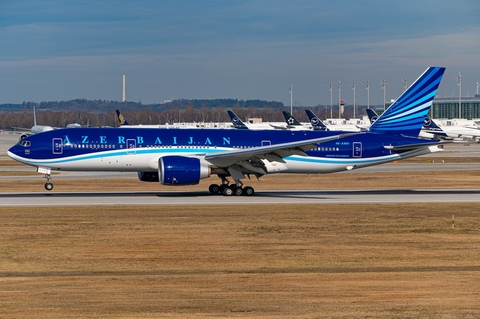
[(177, 157)]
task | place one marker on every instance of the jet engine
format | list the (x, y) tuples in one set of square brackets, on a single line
[(181, 170)]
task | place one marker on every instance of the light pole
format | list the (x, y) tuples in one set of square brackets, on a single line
[(384, 87), (367, 86), (459, 83), (354, 100), (339, 86), (331, 99), (290, 87)]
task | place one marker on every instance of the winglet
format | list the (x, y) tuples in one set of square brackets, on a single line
[(317, 124), (407, 114)]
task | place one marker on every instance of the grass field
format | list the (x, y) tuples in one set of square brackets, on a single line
[(297, 261)]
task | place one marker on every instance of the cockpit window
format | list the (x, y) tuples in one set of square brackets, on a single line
[(24, 143)]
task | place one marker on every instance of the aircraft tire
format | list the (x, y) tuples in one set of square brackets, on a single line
[(214, 189), (48, 186), (228, 191), (238, 191), (248, 191)]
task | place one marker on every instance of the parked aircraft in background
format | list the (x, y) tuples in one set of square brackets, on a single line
[(450, 131), (120, 119), (372, 115), (24, 132), (179, 157), (239, 124), (122, 122), (316, 123), (236, 121)]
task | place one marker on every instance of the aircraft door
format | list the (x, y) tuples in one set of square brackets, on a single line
[(57, 145), (357, 149), (131, 146), (266, 143)]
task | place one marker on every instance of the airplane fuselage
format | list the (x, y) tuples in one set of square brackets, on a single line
[(139, 149)]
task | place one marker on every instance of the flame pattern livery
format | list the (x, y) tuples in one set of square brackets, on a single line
[(407, 114)]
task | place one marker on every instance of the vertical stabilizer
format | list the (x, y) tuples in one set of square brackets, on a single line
[(236, 121), (407, 114), (317, 124)]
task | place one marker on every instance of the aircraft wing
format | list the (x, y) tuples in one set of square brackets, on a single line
[(467, 133), (271, 152)]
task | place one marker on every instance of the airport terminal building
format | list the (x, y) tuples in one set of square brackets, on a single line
[(448, 108)]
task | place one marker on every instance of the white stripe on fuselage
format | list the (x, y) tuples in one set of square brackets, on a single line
[(146, 159)]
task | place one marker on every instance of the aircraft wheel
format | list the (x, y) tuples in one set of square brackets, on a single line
[(214, 189), (238, 191), (248, 191), (48, 186), (228, 191)]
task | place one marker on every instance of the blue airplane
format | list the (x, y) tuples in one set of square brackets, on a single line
[(178, 157)]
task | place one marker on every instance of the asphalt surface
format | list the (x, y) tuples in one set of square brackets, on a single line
[(259, 198)]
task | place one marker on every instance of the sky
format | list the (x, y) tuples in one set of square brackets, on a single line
[(57, 50)]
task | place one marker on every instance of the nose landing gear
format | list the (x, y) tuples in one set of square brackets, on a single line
[(48, 184)]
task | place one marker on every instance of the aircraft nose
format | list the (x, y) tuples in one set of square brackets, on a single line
[(18, 153), (12, 151)]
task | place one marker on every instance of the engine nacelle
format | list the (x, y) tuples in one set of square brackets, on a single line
[(148, 176), (181, 170)]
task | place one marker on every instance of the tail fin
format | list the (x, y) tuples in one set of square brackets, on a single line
[(407, 114), (121, 120), (372, 115), (291, 121), (429, 124), (431, 127), (317, 124), (237, 123)]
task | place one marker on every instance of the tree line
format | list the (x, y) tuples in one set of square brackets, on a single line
[(102, 113)]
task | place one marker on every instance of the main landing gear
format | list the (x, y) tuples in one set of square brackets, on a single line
[(230, 190), (236, 189)]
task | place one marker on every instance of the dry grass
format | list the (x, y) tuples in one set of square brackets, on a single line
[(297, 261)]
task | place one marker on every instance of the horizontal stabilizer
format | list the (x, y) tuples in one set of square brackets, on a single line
[(411, 147)]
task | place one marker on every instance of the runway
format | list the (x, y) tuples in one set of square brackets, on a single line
[(260, 197)]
